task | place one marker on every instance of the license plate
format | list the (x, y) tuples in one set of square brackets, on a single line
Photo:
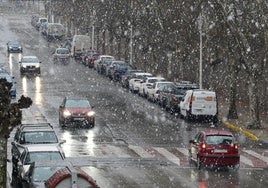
[(220, 151), (79, 119)]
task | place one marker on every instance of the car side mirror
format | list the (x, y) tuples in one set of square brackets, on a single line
[(192, 141)]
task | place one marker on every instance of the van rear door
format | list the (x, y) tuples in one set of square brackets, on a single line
[(204, 103)]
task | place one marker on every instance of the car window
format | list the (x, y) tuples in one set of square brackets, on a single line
[(43, 173), (39, 137), (42, 156), (77, 104), (219, 139), (30, 60)]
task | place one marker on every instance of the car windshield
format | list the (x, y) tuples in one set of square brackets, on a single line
[(219, 139), (14, 43), (43, 173), (62, 51), (38, 137), (30, 60), (43, 156), (77, 104)]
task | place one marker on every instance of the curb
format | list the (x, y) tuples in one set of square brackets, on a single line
[(245, 132)]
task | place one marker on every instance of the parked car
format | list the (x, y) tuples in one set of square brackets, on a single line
[(39, 22), (125, 78), (136, 79), (5, 75), (88, 57), (61, 55), (170, 97), (37, 153), (14, 46), (101, 58), (102, 68), (38, 172), (148, 82), (119, 70), (28, 134), (199, 103), (154, 90), (30, 64), (76, 111), (214, 148), (112, 65)]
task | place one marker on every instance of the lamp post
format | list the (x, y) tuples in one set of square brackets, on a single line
[(200, 52)]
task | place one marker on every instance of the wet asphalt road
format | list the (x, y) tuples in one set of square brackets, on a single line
[(134, 143)]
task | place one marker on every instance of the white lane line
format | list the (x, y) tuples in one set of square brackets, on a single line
[(140, 151), (246, 160), (168, 155), (253, 153), (184, 151)]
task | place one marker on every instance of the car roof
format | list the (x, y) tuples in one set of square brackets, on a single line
[(36, 126), (155, 77), (217, 132)]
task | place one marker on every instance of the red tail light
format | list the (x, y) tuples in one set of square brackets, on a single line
[(236, 146), (136, 80), (157, 92), (175, 99)]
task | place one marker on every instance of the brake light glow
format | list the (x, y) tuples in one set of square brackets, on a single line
[(203, 146), (236, 146)]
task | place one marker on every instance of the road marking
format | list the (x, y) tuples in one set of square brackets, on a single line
[(253, 153), (184, 151), (246, 160), (168, 155), (140, 151)]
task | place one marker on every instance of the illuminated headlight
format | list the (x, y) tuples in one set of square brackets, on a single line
[(66, 113), (91, 113), (24, 66), (37, 66), (10, 47), (19, 47)]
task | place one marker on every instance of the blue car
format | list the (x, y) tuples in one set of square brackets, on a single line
[(10, 79)]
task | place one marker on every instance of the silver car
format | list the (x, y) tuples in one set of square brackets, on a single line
[(30, 64)]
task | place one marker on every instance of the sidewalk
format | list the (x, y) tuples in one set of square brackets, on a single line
[(240, 124)]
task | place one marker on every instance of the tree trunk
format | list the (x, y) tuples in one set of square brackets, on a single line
[(253, 103), (3, 160), (232, 113)]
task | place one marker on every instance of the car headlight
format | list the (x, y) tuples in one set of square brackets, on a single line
[(24, 66), (91, 113), (10, 47), (37, 66), (67, 113)]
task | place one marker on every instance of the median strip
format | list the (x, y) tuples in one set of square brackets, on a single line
[(239, 129)]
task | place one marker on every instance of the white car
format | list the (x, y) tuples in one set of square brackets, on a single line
[(148, 82), (100, 59), (30, 64), (199, 103), (153, 91), (135, 81)]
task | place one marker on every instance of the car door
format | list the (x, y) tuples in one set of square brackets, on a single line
[(195, 144)]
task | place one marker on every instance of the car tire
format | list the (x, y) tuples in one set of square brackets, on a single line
[(198, 163)]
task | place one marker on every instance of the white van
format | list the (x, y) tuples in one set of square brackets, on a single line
[(53, 31), (79, 44), (199, 103)]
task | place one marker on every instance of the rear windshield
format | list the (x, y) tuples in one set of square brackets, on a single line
[(219, 139), (43, 156), (38, 137)]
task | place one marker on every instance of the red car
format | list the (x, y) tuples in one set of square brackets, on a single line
[(89, 57), (214, 148), (76, 111)]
